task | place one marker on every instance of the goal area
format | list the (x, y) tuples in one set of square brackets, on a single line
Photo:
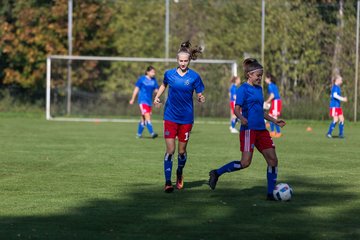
[(93, 88)]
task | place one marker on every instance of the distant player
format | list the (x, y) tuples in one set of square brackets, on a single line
[(179, 113), (275, 101), (145, 86), (249, 110), (235, 82), (335, 109)]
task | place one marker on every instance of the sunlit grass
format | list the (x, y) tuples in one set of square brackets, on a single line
[(64, 180)]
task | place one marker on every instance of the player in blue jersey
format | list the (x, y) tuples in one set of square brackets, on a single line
[(335, 109), (275, 102), (145, 86), (249, 109), (179, 113), (235, 82)]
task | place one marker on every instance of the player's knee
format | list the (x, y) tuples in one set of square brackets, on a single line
[(182, 153), (245, 163), (273, 162), (170, 152)]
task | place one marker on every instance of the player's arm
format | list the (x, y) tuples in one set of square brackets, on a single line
[(200, 97), (278, 122), (270, 98), (135, 92), (238, 114), (161, 90), (338, 97)]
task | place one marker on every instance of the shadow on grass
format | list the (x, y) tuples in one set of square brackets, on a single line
[(318, 211)]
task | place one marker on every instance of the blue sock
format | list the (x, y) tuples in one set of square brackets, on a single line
[(181, 162), (149, 127), (277, 128), (230, 167), (341, 129), (167, 166), (271, 178), (233, 122), (140, 128), (331, 127), (272, 126)]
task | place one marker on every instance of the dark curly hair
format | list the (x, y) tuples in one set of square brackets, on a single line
[(185, 47), (148, 69)]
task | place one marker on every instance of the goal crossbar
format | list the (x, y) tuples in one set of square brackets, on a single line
[(120, 59)]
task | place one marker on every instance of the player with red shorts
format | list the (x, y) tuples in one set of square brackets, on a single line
[(253, 133), (275, 101), (145, 86), (179, 113), (235, 82), (335, 109)]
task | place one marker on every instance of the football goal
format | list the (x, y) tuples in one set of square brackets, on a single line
[(93, 88)]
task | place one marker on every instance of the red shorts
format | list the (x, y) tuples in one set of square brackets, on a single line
[(173, 130), (144, 108), (275, 109), (232, 107), (334, 111), (255, 138)]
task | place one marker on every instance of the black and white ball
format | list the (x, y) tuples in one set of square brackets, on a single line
[(283, 192)]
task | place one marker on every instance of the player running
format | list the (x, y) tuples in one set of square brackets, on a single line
[(235, 82), (179, 112), (145, 86), (275, 101), (335, 110), (249, 109)]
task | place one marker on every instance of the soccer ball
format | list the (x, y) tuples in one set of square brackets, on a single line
[(283, 192)]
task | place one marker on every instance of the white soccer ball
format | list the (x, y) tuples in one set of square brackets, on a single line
[(266, 106), (283, 192)]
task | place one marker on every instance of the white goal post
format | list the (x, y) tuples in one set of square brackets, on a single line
[(68, 65)]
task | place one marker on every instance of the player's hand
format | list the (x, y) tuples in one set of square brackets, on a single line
[(345, 99), (131, 102), (201, 98), (244, 121), (157, 102), (280, 122)]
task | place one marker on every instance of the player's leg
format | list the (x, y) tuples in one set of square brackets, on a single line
[(277, 111), (148, 123), (332, 124), (246, 147), (140, 126), (170, 130), (234, 120), (272, 114), (266, 146), (272, 170), (183, 137), (232, 166), (341, 126), (168, 163)]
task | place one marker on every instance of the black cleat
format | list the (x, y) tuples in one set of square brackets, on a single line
[(154, 135), (213, 179), (270, 197), (168, 187)]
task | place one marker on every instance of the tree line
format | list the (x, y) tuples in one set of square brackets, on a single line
[(306, 42)]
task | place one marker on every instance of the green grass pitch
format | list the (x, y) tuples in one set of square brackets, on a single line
[(66, 180)]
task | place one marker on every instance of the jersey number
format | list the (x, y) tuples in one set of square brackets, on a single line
[(186, 136)]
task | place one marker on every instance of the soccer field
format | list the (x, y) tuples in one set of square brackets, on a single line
[(65, 180)]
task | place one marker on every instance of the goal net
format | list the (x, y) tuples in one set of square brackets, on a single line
[(90, 88)]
